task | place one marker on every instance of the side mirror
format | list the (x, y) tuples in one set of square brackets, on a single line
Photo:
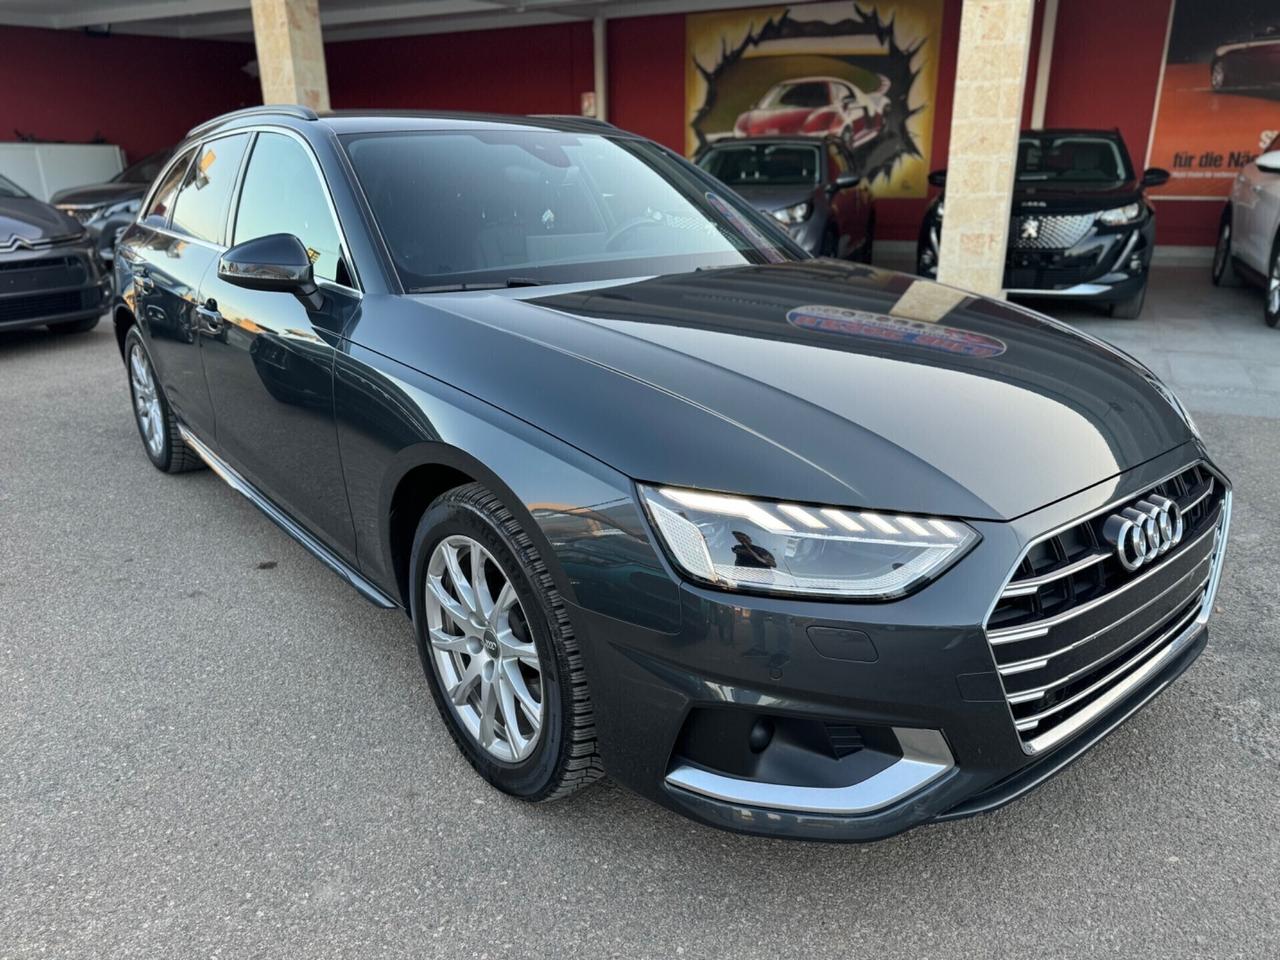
[(1269, 162), (845, 182), (938, 178), (277, 262), (1155, 177)]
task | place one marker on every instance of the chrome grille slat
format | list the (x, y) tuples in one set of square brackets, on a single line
[(1030, 723), (1073, 632), (1042, 627)]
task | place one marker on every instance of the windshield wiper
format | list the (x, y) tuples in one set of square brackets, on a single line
[(461, 287)]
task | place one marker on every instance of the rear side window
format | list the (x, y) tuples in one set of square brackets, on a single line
[(200, 210), (157, 214), (283, 194)]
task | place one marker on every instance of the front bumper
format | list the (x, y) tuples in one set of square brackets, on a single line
[(53, 284), (874, 717)]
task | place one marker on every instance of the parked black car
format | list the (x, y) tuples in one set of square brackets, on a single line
[(1081, 229), (49, 270), (107, 209), (808, 184), (789, 545)]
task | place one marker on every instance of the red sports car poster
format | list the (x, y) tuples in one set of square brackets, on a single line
[(1219, 96), (865, 72)]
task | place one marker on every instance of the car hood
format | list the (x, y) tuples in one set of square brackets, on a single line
[(769, 197), (1081, 198), (34, 220), (100, 193), (814, 381)]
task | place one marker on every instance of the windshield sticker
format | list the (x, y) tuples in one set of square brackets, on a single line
[(877, 326)]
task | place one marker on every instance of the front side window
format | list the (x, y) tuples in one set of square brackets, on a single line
[(200, 209), (747, 164), (491, 207), (283, 194), (1085, 159), (157, 214)]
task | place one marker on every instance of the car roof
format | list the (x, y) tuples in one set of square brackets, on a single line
[(370, 121)]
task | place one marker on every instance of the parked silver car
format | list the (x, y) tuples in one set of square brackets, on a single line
[(1249, 232)]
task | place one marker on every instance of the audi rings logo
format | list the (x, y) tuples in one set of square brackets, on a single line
[(1140, 533)]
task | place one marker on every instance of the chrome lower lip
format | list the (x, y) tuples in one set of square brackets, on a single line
[(925, 758)]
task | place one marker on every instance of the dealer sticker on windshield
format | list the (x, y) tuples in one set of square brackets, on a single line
[(877, 326)]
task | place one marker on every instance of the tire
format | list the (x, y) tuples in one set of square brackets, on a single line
[(1224, 268), (1129, 309), (1271, 305), (1218, 75), (830, 245), (83, 325), (561, 755), (166, 449), (867, 251)]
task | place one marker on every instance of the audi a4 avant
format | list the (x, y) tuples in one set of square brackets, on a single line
[(791, 546)]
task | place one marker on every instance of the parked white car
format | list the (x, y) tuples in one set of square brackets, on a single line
[(1249, 234)]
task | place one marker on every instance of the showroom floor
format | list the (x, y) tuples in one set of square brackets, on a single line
[(210, 747)]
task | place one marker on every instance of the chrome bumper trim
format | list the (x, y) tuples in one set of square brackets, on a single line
[(925, 758)]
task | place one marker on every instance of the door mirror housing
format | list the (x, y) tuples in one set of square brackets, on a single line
[(277, 262), (938, 178), (1155, 177), (845, 182), (1269, 162)]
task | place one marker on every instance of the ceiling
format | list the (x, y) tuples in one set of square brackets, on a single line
[(340, 19)]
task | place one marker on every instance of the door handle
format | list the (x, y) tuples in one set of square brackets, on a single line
[(208, 319)]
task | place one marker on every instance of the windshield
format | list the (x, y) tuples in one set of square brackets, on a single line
[(748, 164), (144, 171), (510, 207), (10, 189), (811, 94), (1072, 158)]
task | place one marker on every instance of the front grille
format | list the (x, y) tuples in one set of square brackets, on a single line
[(1073, 629), (1054, 232), (46, 305), (1048, 269)]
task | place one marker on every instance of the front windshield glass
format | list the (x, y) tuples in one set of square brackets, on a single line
[(813, 93), (10, 189), (473, 208), (772, 164), (144, 171), (1072, 158)]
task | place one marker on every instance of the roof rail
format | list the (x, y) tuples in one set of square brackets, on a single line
[(272, 109), (589, 121)]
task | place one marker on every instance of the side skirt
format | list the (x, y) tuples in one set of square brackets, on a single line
[(286, 523)]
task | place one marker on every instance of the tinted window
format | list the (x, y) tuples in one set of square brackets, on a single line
[(742, 165), (157, 214), (283, 194), (201, 207), (490, 206), (802, 95), (1075, 158)]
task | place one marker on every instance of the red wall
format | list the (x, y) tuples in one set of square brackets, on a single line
[(142, 93), (520, 70)]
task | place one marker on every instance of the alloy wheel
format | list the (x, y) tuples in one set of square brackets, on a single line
[(146, 401), (483, 650)]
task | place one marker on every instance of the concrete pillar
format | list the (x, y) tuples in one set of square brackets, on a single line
[(290, 52), (995, 38)]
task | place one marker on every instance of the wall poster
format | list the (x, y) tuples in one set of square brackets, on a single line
[(1219, 98), (866, 72)]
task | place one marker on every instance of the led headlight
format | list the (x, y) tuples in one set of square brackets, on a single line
[(737, 543), (1120, 215), (796, 213)]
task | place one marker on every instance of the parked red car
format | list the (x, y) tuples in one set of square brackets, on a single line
[(816, 106)]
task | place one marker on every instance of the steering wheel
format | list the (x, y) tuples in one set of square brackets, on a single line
[(627, 226)]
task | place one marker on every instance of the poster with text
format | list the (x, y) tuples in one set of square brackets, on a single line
[(865, 72), (1219, 96)]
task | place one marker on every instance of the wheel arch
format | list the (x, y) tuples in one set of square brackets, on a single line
[(123, 318)]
